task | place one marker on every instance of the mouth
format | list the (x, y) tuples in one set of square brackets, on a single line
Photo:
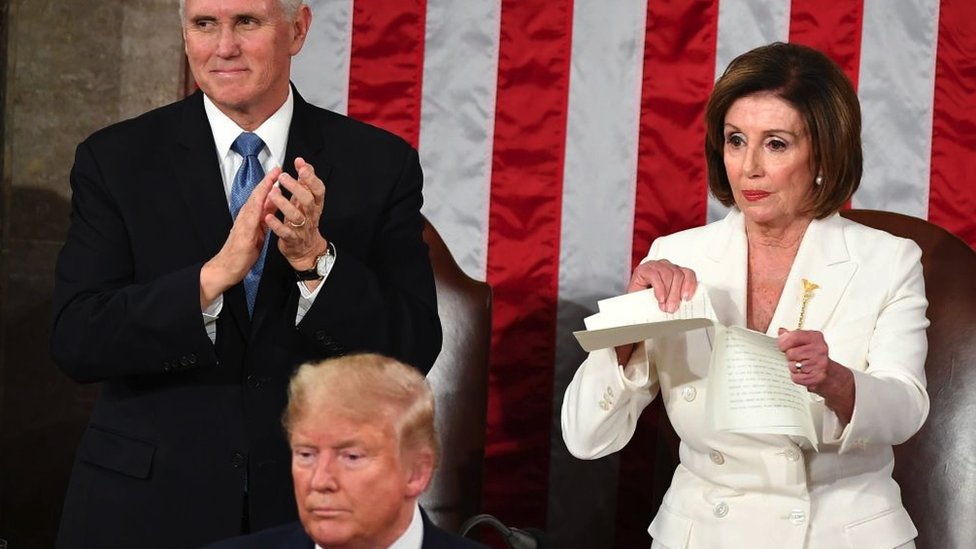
[(753, 195), (228, 72), (325, 513)]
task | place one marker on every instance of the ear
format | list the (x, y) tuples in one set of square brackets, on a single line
[(419, 473), (303, 20)]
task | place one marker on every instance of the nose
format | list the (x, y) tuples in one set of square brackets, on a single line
[(752, 161), (324, 478), (227, 45)]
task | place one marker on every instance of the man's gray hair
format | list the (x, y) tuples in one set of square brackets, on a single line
[(289, 7)]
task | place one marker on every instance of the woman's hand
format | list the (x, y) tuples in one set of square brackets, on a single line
[(810, 365), (671, 283)]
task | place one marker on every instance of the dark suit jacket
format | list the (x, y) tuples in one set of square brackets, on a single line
[(183, 427), (293, 536)]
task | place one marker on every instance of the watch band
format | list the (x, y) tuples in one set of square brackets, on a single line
[(319, 268)]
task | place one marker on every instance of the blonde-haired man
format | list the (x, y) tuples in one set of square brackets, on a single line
[(364, 447)]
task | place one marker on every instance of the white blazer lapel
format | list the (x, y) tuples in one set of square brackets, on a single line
[(822, 259), (727, 273)]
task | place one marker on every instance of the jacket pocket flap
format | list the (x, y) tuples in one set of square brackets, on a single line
[(116, 452), (882, 531), (670, 529)]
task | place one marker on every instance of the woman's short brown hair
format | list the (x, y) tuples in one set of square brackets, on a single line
[(818, 89)]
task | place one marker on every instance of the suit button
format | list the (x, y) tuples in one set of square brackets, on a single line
[(167, 367), (254, 382), (192, 358), (716, 457), (721, 510), (792, 454), (320, 335), (798, 517), (688, 393), (184, 361), (237, 461)]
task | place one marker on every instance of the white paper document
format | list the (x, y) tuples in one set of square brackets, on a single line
[(749, 384)]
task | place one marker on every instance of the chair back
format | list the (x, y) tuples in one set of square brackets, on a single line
[(936, 468), (459, 379)]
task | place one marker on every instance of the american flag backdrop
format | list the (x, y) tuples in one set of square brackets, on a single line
[(559, 138)]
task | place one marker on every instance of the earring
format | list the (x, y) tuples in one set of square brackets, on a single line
[(818, 180)]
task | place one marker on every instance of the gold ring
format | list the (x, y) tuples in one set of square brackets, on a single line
[(299, 225)]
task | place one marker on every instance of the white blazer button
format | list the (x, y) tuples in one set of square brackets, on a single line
[(688, 393), (792, 454), (721, 509), (798, 517), (717, 457)]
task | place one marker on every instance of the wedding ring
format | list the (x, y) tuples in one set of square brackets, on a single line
[(298, 225), (798, 366)]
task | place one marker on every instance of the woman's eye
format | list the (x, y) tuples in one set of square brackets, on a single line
[(777, 144), (735, 140)]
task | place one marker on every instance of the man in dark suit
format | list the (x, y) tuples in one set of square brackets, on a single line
[(196, 275), (364, 447)]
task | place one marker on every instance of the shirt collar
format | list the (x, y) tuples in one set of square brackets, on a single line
[(273, 131)]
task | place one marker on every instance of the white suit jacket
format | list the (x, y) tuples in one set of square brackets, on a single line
[(737, 490)]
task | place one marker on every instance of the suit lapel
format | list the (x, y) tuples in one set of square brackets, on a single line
[(824, 260), (201, 188), (729, 252)]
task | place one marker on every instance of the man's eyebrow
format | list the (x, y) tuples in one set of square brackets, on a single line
[(246, 15), (349, 443)]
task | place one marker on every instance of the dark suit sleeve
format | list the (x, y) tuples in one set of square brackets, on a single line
[(109, 319), (384, 300)]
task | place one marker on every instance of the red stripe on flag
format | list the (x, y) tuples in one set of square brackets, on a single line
[(523, 252), (679, 72), (952, 192), (832, 27), (387, 64)]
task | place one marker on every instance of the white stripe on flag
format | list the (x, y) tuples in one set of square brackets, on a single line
[(896, 88), (321, 70), (599, 179), (457, 124), (743, 25)]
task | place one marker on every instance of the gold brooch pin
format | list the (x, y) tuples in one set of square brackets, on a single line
[(808, 288)]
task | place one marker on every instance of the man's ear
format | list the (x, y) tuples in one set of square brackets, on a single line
[(303, 20), (419, 472)]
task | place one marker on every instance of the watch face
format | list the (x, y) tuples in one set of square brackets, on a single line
[(321, 265)]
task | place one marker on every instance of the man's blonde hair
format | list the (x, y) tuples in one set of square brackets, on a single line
[(367, 387)]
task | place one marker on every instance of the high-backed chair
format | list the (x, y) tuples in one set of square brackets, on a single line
[(936, 468), (459, 379)]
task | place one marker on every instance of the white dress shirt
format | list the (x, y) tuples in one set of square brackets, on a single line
[(274, 133)]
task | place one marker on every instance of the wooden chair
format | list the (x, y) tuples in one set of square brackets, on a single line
[(459, 379), (936, 468)]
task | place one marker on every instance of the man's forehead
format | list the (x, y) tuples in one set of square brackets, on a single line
[(197, 8), (337, 430)]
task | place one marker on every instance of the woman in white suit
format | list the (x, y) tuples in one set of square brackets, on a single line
[(783, 150)]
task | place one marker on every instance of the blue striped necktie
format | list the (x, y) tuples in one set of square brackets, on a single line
[(248, 176)]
